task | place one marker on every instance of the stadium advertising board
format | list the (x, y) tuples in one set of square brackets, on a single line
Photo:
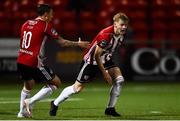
[(8, 55), (153, 64)]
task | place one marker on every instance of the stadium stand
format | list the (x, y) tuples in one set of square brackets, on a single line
[(153, 21)]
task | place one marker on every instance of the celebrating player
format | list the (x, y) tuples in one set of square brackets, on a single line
[(34, 33), (99, 57)]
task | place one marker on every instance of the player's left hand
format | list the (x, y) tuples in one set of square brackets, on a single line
[(107, 78), (83, 44)]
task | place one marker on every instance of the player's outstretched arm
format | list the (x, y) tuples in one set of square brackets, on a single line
[(67, 43)]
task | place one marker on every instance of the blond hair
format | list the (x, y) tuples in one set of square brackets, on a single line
[(121, 16)]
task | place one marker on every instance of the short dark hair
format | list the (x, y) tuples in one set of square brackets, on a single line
[(43, 8)]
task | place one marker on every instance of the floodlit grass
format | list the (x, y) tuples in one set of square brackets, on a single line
[(138, 100)]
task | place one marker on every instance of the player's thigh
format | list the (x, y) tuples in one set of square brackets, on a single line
[(45, 74), (25, 72), (87, 72), (26, 75), (114, 72)]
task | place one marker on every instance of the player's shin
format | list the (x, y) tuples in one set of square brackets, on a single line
[(44, 92), (115, 91), (68, 91)]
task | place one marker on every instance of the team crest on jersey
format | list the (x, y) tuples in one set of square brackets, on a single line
[(54, 31), (103, 43), (86, 77)]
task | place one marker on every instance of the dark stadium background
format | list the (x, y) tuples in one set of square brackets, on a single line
[(154, 33), (149, 58)]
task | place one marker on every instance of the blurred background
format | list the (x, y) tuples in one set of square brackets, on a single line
[(151, 51)]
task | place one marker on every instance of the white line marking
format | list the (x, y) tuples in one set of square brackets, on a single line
[(46, 100), (155, 112)]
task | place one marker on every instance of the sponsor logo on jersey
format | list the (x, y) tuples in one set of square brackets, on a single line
[(25, 51), (86, 77)]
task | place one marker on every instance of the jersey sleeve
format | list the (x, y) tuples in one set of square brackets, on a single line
[(102, 41), (51, 32)]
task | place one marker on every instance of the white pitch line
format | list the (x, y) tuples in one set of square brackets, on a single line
[(46, 100), (155, 112)]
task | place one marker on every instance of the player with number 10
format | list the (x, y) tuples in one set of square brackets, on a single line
[(30, 64)]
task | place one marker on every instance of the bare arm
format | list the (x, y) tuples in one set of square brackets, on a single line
[(67, 43), (97, 56)]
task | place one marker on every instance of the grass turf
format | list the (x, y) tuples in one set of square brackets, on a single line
[(138, 100)]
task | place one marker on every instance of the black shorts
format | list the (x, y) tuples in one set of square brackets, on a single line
[(41, 74), (88, 71)]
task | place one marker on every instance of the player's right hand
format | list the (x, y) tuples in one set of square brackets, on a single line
[(83, 44)]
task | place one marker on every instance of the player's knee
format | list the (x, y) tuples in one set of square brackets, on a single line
[(56, 85), (26, 90), (117, 85), (56, 82), (53, 87), (28, 85), (78, 88), (119, 80)]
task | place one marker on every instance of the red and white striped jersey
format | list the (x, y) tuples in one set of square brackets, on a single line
[(107, 41), (34, 33)]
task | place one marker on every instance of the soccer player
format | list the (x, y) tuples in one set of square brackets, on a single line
[(99, 57), (34, 33)]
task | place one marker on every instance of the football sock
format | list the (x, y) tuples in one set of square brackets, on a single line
[(115, 91), (44, 92), (64, 95), (24, 94)]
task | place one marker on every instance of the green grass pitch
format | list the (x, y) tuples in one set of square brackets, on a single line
[(138, 101)]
